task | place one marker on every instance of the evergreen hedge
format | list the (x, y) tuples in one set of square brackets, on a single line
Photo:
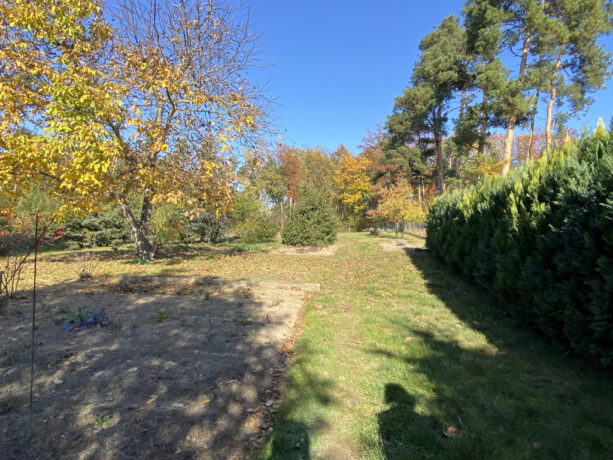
[(542, 241), (311, 221)]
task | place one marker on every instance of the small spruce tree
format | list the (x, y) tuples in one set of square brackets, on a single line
[(311, 221)]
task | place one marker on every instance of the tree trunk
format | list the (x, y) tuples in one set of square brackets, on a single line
[(508, 144), (483, 132), (440, 163), (144, 248), (552, 98), (529, 155)]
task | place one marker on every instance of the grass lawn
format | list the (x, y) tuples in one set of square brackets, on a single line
[(400, 358)]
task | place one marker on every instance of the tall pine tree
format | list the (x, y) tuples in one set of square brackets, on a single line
[(422, 111)]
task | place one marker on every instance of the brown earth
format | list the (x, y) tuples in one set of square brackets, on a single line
[(308, 250), (186, 375), (407, 246)]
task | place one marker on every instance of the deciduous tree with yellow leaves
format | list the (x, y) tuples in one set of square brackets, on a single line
[(353, 183), (155, 106)]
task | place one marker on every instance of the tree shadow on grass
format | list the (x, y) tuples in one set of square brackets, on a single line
[(485, 387)]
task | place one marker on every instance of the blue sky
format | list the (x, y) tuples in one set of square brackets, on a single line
[(337, 65)]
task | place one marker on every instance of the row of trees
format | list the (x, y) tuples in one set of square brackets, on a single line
[(493, 70), (148, 100), (361, 189)]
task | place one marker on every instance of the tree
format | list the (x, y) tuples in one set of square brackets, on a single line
[(291, 169), (422, 111), (311, 221), (52, 85), (155, 107), (577, 64), (483, 46), (398, 204), (353, 183)]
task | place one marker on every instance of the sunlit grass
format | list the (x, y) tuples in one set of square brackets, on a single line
[(408, 361)]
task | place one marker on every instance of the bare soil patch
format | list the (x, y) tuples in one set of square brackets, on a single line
[(308, 250), (186, 369), (388, 246)]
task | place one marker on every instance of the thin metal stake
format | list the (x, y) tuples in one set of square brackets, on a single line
[(34, 313)]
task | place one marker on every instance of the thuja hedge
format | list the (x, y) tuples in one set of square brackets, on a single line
[(542, 241)]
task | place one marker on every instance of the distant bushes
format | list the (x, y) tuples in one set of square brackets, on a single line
[(98, 229), (542, 240), (253, 223), (311, 221)]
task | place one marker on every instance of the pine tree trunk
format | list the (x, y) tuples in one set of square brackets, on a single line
[(529, 155), (508, 144), (440, 163), (552, 98), (484, 117), (423, 192)]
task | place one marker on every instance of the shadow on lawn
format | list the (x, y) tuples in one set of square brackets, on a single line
[(512, 395), (290, 438), (176, 385)]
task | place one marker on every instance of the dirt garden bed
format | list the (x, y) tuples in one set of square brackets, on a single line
[(308, 250), (186, 369), (402, 245)]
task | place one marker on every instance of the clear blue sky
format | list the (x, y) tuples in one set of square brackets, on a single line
[(339, 64)]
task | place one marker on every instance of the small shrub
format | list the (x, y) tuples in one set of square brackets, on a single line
[(85, 266), (161, 315), (101, 418), (260, 229), (205, 227), (253, 223), (311, 221), (78, 315)]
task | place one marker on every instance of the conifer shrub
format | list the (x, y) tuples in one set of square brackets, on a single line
[(311, 221), (206, 227), (542, 241), (97, 229)]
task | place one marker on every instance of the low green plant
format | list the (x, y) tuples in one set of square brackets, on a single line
[(78, 315), (161, 315), (101, 419)]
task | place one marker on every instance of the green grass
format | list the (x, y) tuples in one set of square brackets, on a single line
[(400, 358)]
